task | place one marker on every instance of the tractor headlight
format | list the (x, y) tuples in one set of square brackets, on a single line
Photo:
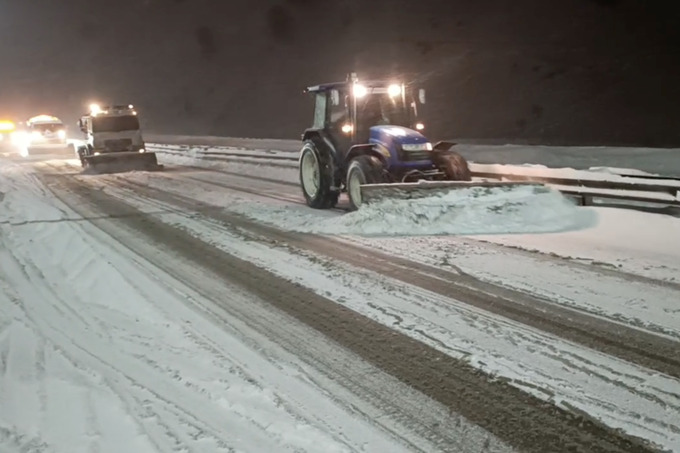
[(417, 146), (61, 134), (35, 135), (360, 91)]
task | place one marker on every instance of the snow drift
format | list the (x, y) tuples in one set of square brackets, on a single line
[(475, 210)]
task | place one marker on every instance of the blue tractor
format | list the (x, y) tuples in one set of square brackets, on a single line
[(368, 135)]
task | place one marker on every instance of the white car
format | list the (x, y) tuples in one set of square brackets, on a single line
[(45, 130)]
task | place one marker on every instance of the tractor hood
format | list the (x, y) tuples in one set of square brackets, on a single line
[(398, 135)]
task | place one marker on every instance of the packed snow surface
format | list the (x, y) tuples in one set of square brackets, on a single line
[(616, 392), (102, 352)]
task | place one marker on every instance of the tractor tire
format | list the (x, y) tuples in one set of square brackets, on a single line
[(316, 177), (363, 169), (454, 166)]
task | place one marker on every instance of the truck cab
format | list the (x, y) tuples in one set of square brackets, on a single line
[(113, 137), (113, 128)]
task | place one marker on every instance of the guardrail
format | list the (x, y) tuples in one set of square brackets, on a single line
[(584, 186)]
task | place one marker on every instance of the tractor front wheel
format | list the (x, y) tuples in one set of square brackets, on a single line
[(362, 170), (316, 177), (454, 166)]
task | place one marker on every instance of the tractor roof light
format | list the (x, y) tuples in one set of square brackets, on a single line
[(394, 90), (94, 109)]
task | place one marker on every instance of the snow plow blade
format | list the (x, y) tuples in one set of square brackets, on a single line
[(124, 161), (372, 193)]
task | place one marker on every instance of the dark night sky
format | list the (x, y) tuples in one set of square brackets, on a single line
[(574, 71)]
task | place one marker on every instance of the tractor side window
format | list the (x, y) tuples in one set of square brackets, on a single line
[(320, 111), (338, 115)]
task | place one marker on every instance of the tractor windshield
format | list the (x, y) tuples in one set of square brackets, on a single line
[(383, 109)]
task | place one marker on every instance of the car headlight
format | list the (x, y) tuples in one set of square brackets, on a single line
[(417, 146)]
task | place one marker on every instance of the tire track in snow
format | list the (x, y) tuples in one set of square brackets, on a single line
[(296, 198), (557, 354), (637, 346), (449, 429), (136, 386), (104, 201), (66, 348), (599, 309)]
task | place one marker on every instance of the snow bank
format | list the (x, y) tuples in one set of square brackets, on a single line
[(641, 243), (476, 210)]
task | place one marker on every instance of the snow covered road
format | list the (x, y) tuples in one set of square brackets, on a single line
[(153, 329), (101, 352)]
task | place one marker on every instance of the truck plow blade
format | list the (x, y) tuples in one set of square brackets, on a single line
[(372, 193), (124, 161)]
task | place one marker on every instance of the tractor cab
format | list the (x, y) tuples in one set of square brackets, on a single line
[(348, 110)]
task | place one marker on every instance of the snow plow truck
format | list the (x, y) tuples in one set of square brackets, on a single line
[(366, 140), (114, 140)]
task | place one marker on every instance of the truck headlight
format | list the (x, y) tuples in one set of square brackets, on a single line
[(394, 90)]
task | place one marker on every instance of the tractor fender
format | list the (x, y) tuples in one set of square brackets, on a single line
[(442, 146), (321, 138), (323, 142), (366, 149)]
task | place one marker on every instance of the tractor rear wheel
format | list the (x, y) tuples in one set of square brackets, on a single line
[(454, 166), (316, 177), (364, 169)]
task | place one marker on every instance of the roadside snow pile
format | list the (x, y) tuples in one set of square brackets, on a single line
[(475, 210), (257, 166)]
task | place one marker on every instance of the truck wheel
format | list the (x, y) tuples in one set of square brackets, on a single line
[(81, 151), (316, 177), (364, 169), (454, 166)]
